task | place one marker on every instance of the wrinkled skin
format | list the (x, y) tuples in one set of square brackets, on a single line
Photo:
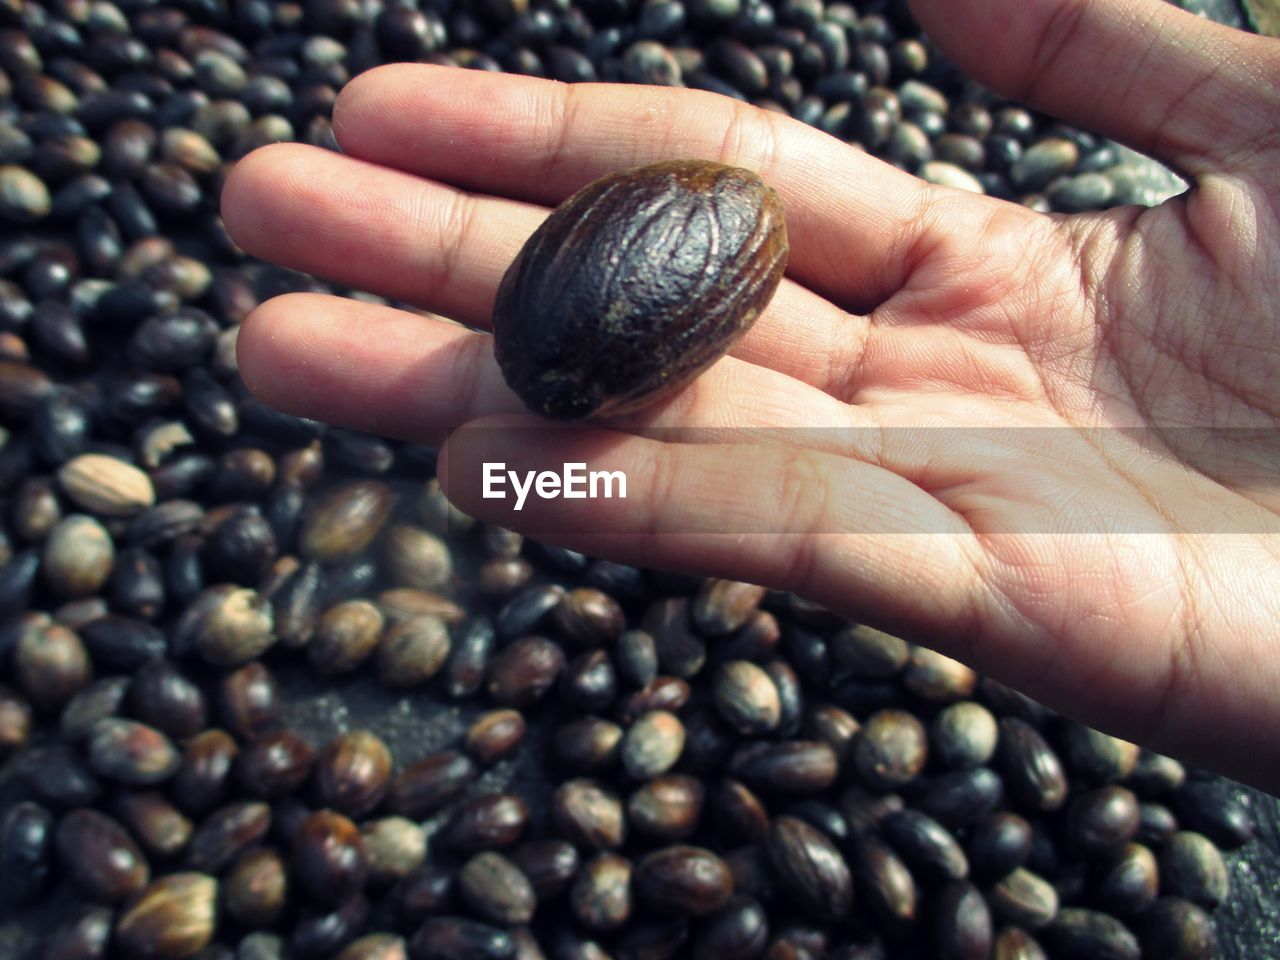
[(1131, 577)]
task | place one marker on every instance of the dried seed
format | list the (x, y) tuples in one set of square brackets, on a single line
[(588, 815), (394, 848), (256, 888), (429, 785), (328, 857), (496, 890), (353, 773), (810, 868), (1192, 868), (747, 698), (100, 857), (961, 923), (346, 636), (1024, 899), (106, 486), (495, 734), (686, 881), (131, 753), (225, 833), (667, 807), (275, 764), (522, 673), (601, 895), (489, 822), (172, 919), (652, 745), (794, 767)]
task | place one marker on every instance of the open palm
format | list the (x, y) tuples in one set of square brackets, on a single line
[(1044, 445)]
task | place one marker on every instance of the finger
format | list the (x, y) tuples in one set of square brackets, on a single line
[(409, 239), (393, 373), (763, 513), (1198, 95), (853, 220)]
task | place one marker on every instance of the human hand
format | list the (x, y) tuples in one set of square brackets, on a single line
[(1116, 559)]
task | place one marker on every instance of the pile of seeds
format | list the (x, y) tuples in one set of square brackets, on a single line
[(634, 764)]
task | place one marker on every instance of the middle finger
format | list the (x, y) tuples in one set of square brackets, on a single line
[(421, 242)]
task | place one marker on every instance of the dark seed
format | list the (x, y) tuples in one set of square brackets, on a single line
[(157, 823), (1175, 929), (549, 865), (430, 784), (26, 839), (747, 698), (453, 938), (1088, 935), (588, 815), (489, 822), (100, 857), (687, 881), (998, 844), (1031, 768), (1102, 820), (160, 696), (248, 700), (793, 767), (884, 882), (667, 807), (925, 845), (328, 857), (810, 868), (496, 890), (85, 936), (201, 782), (131, 753), (225, 833), (1129, 880), (1024, 899), (1192, 868), (522, 673), (961, 923), (353, 773), (495, 734), (601, 895), (890, 750), (255, 889)]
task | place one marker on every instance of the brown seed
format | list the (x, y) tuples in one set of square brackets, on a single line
[(411, 652), (1191, 867), (157, 823), (660, 693), (347, 635), (416, 558), (681, 651), (455, 938), (353, 773), (345, 522), (589, 617), (588, 815), (236, 628), (406, 603), (961, 923), (1103, 820), (1129, 880), (100, 857), (51, 665), (746, 698), (1089, 935), (652, 745), (131, 753), (375, 946), (225, 833), (550, 865), (884, 881), (667, 807), (275, 764), (834, 726), (870, 653), (891, 749), (256, 889), (249, 700), (429, 785), (328, 857), (394, 848), (172, 919), (723, 606), (502, 577), (1013, 943), (587, 744), (496, 890), (1176, 929), (964, 735), (106, 486), (810, 869), (203, 779), (687, 881), (488, 822), (495, 734), (523, 672), (1024, 899), (932, 676), (77, 557), (1096, 756), (15, 721), (789, 767), (1031, 769), (541, 347), (740, 816), (601, 896)]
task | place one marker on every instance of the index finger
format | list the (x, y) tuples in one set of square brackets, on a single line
[(854, 222)]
